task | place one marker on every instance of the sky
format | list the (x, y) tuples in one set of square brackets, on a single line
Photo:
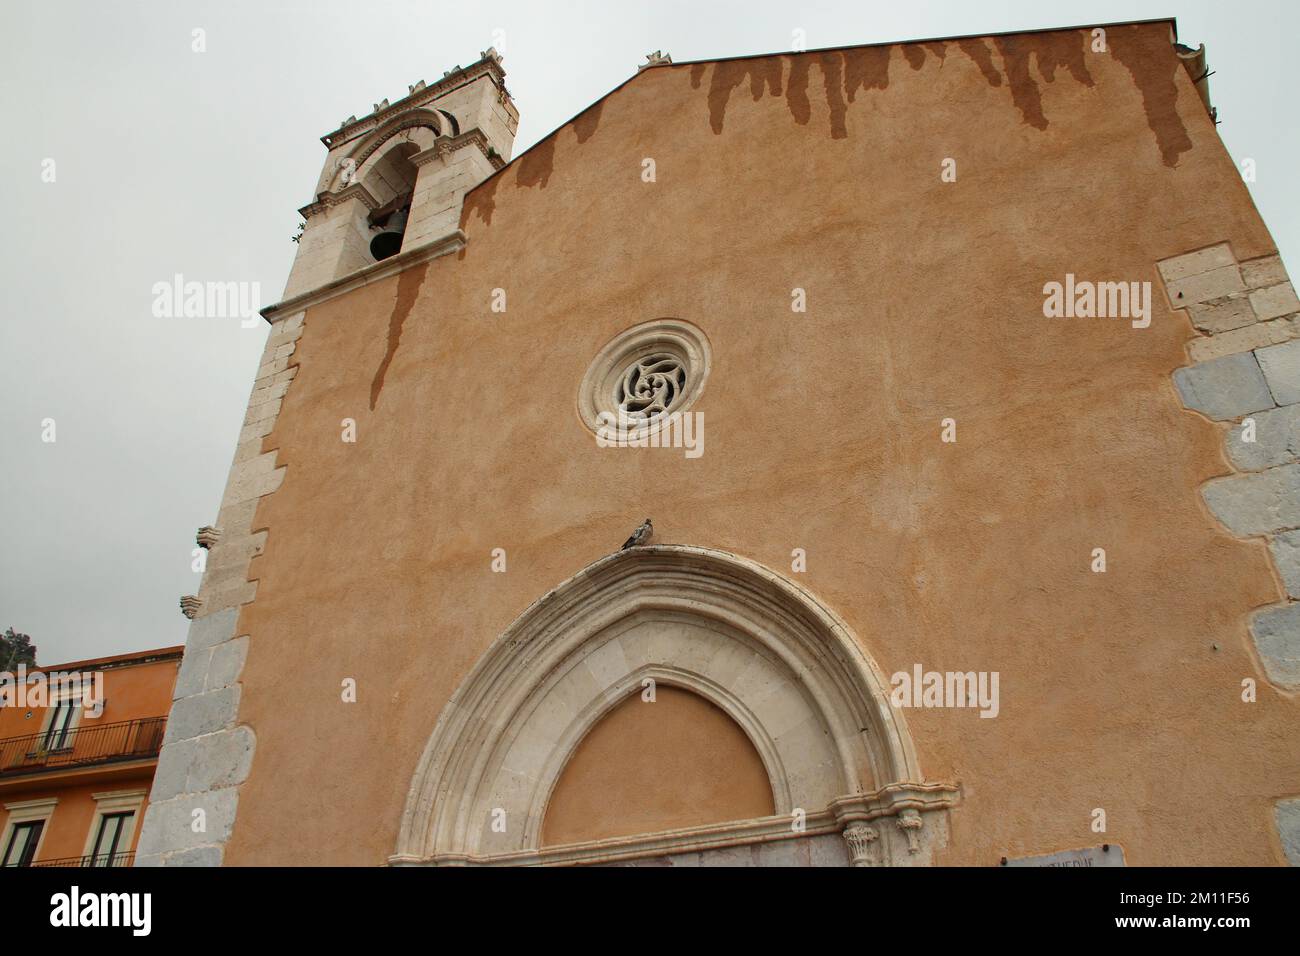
[(169, 160)]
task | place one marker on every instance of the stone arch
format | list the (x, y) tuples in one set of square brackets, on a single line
[(418, 127), (756, 645)]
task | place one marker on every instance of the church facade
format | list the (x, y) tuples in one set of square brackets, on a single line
[(948, 391)]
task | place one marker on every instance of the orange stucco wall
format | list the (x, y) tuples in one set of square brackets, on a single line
[(821, 172), (131, 691)]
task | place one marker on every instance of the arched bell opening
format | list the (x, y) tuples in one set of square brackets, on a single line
[(391, 181)]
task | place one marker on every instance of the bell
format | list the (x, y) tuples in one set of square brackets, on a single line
[(389, 240)]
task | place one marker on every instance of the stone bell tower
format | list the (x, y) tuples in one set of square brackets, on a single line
[(394, 180)]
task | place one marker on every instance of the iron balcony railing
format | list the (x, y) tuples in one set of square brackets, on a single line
[(81, 746), (104, 859)]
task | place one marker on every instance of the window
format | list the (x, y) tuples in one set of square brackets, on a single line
[(112, 839), (109, 839), (58, 733), (20, 840), (651, 370), (21, 845)]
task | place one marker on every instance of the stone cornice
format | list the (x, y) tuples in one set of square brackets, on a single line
[(445, 145), (489, 65), (327, 199), (890, 801), (453, 241)]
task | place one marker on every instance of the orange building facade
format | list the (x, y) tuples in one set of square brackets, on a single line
[(79, 743)]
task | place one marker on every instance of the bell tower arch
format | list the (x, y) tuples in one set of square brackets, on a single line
[(393, 181)]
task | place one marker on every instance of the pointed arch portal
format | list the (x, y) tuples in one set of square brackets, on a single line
[(759, 647)]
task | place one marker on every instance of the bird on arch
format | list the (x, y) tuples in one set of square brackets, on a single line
[(640, 536)]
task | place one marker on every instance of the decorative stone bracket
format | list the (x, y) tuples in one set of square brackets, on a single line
[(191, 605)]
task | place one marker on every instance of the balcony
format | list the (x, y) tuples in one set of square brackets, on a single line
[(104, 859), (81, 747)]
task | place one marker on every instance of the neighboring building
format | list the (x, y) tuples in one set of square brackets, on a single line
[(77, 760), (873, 271)]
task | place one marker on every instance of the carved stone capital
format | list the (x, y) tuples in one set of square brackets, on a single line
[(862, 839), (207, 536), (909, 821), (190, 605)]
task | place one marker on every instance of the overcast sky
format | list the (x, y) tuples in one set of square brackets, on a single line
[(168, 161)]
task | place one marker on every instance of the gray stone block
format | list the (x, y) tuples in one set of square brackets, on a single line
[(150, 846), (221, 760), (1286, 555), (169, 825), (203, 714), (728, 856), (193, 675), (1281, 367), (1277, 637), (1263, 272), (1205, 286), (227, 662), (211, 629), (1196, 263), (828, 849), (1222, 315), (1257, 504), (1277, 440), (793, 852), (1287, 815), (197, 856), (1224, 388), (172, 772), (1274, 301)]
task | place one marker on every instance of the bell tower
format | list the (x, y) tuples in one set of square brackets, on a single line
[(394, 180)]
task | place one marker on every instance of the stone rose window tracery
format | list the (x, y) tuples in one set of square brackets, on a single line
[(651, 386), (653, 369)]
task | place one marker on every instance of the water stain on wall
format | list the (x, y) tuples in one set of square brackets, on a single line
[(831, 64), (866, 69), (1154, 68), (1024, 91), (729, 74), (844, 72), (536, 165), (481, 199), (978, 51), (796, 90), (586, 123), (408, 289)]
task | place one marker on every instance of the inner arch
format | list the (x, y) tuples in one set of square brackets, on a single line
[(677, 761)]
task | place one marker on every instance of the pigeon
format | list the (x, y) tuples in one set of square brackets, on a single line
[(640, 536)]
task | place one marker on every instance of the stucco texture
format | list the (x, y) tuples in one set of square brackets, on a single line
[(819, 171)]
